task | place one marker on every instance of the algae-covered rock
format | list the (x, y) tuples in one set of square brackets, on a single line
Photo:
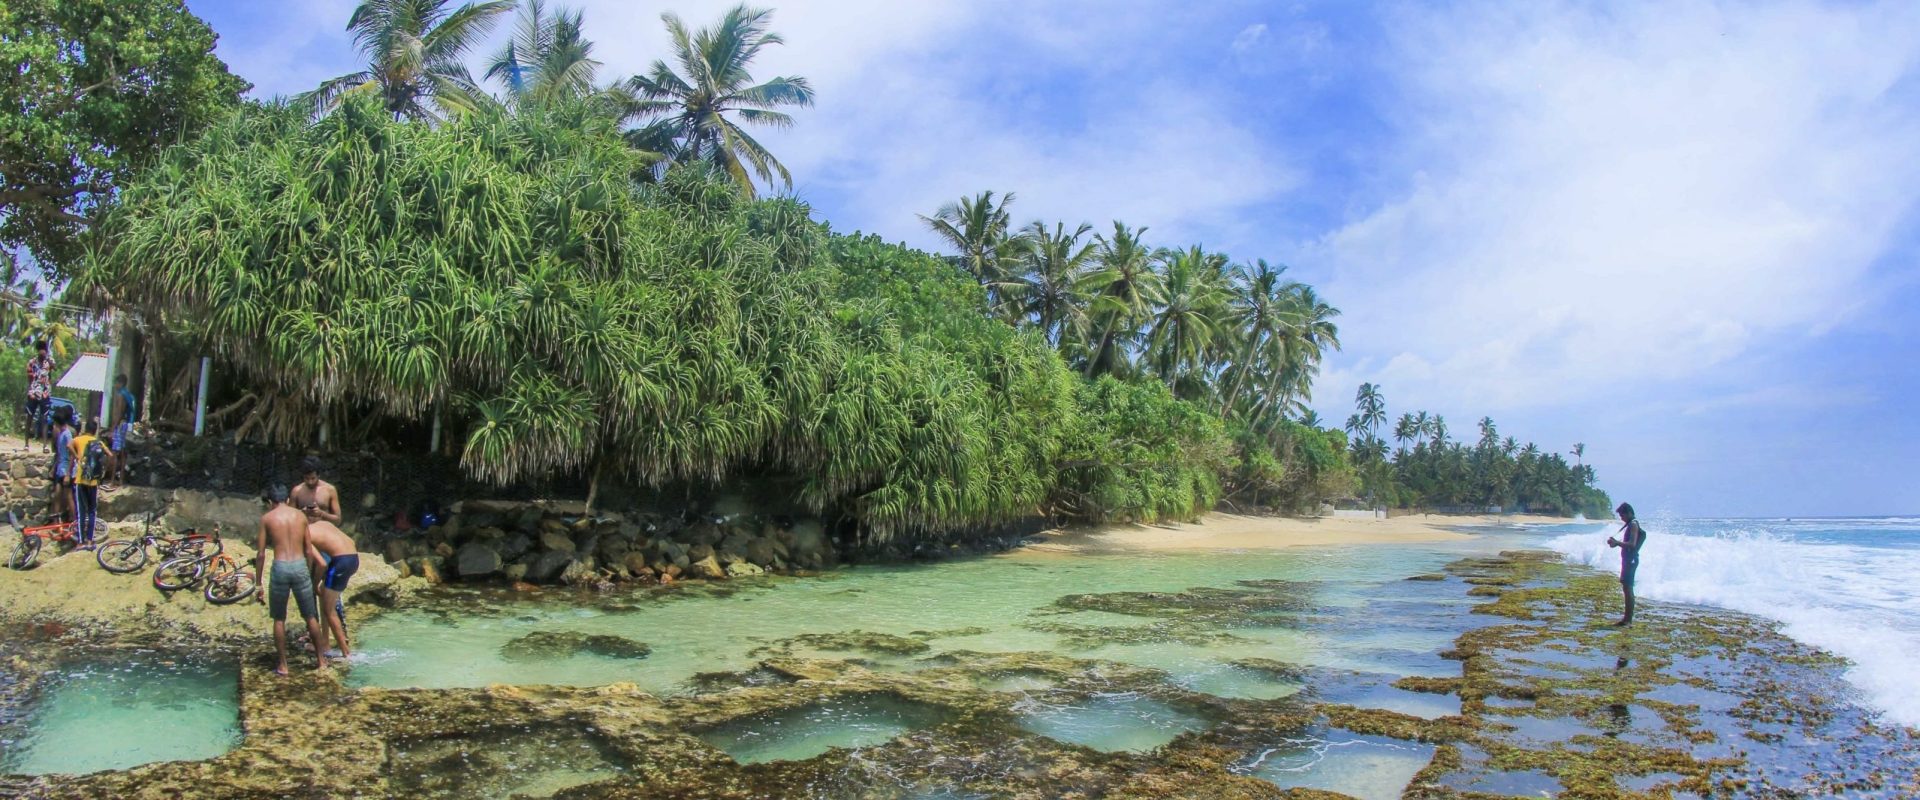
[(545, 645)]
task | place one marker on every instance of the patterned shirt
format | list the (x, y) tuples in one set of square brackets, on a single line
[(40, 378)]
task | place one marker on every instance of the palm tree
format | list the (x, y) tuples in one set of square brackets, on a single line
[(1579, 452), (1124, 291), (413, 50), (701, 103), (547, 56), (1188, 321), (1405, 430), (1293, 355), (981, 230), (1311, 419), (1046, 291), (1258, 303), (1437, 429)]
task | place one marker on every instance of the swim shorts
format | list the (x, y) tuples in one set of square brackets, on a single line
[(1627, 568), (339, 569), (291, 576), (120, 437)]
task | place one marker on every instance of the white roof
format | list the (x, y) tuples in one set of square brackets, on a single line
[(89, 372)]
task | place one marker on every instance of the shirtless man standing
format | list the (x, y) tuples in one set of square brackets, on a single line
[(316, 497), (284, 530), (334, 558)]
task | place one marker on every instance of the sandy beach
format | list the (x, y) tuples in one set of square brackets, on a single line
[(1239, 532)]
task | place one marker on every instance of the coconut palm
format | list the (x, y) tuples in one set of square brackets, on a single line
[(1293, 354), (1046, 290), (1405, 430), (1258, 302), (1190, 318), (981, 230), (414, 51), (1123, 290), (703, 105), (546, 57)]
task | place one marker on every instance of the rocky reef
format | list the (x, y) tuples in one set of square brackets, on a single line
[(1687, 703)]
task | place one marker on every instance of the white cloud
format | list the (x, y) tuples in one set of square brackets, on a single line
[(1248, 37), (1640, 191)]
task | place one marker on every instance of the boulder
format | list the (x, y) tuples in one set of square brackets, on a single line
[(131, 502), (557, 542), (443, 550), (741, 569), (708, 568), (577, 572), (587, 545), (515, 572), (396, 551), (760, 551), (476, 559), (515, 546), (424, 567), (636, 563), (552, 525), (547, 566), (698, 552)]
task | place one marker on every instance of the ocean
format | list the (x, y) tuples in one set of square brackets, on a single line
[(1849, 585)]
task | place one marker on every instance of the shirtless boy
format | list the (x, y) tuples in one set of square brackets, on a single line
[(334, 558), (317, 498), (284, 531)]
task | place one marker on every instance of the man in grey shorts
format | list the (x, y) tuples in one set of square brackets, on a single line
[(283, 529)]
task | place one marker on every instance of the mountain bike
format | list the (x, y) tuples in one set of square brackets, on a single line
[(226, 581), (122, 556), (33, 539)]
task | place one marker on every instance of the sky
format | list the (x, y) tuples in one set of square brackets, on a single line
[(1682, 233)]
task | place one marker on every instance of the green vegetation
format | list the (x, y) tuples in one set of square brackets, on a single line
[(578, 278), (89, 90)]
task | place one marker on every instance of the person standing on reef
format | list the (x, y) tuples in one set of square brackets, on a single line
[(315, 497), (129, 406), (1631, 537), (91, 460), (39, 391), (284, 531), (62, 491), (334, 558)]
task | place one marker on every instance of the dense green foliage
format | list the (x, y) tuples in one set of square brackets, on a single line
[(89, 89), (1427, 469)]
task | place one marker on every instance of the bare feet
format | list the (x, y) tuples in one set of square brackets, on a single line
[(322, 666), (280, 670), (1623, 623)]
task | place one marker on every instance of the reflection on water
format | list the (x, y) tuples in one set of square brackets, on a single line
[(805, 732), (1120, 721), (1367, 767), (124, 711)]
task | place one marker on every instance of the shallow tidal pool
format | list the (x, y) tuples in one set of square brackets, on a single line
[(121, 711)]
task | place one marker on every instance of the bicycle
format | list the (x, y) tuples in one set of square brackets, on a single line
[(34, 538), (122, 556), (226, 581)]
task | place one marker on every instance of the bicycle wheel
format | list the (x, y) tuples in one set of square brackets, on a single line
[(175, 574), (196, 548), (230, 588), (121, 557), (25, 552)]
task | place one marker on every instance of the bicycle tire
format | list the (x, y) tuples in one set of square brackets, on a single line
[(121, 556), (196, 548), (231, 588), (26, 552), (175, 574)]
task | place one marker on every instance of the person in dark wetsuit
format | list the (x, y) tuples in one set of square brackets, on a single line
[(1631, 537)]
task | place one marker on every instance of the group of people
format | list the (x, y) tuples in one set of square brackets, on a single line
[(83, 459), (312, 561)]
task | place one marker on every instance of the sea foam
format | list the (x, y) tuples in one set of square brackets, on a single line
[(1858, 602)]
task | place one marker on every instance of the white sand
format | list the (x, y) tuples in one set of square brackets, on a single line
[(1236, 532)]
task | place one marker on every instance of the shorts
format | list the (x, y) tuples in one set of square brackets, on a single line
[(291, 576), (120, 437), (339, 570), (1627, 567)]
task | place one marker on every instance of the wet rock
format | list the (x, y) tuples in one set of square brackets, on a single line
[(543, 645), (708, 567), (698, 552), (760, 551), (636, 563), (548, 565), (577, 572), (425, 567), (557, 541), (514, 572), (515, 546), (741, 569), (476, 560)]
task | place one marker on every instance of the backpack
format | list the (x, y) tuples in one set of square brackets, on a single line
[(93, 463)]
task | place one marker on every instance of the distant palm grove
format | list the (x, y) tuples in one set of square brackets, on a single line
[(565, 274)]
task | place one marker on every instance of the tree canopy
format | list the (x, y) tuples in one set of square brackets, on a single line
[(90, 89)]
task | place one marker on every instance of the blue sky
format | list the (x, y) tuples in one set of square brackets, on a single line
[(1681, 232)]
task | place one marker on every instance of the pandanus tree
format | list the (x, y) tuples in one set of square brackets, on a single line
[(414, 51), (703, 106)]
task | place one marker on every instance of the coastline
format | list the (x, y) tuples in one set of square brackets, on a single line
[(1222, 531)]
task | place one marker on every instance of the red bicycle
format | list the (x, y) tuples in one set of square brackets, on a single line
[(32, 539)]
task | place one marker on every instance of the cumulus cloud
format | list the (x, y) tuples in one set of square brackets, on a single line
[(1646, 190)]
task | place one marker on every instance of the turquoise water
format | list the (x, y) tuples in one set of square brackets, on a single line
[(1367, 767), (1121, 721), (1001, 604), (808, 731), (123, 712)]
